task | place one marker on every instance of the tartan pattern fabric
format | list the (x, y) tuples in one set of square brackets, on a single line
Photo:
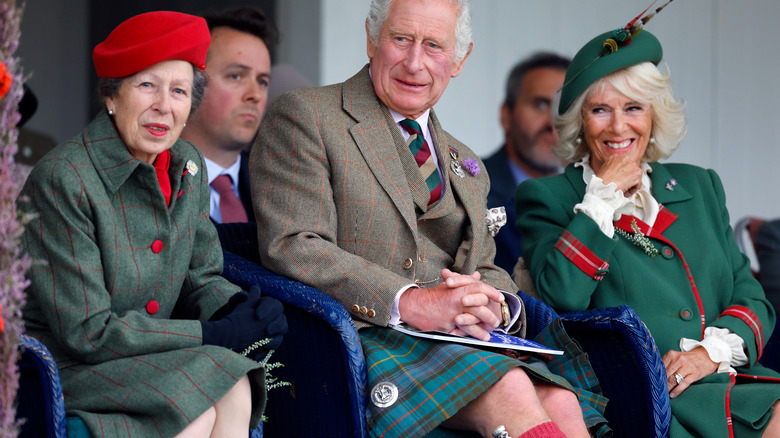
[(336, 208), (581, 256), (424, 159), (112, 246), (436, 379), (751, 320)]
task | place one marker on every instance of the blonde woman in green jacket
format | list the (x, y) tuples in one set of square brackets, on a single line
[(619, 228)]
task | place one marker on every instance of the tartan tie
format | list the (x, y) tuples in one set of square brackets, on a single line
[(424, 159), (229, 205)]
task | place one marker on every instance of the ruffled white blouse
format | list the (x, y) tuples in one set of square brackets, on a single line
[(605, 203)]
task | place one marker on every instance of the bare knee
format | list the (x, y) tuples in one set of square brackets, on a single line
[(236, 405), (552, 395), (201, 426)]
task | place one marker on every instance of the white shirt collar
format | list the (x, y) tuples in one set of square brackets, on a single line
[(214, 170)]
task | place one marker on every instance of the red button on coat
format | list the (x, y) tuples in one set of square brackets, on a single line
[(152, 307), (157, 246)]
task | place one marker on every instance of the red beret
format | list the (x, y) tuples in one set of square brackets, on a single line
[(146, 39)]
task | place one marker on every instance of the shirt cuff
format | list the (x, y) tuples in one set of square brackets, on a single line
[(515, 309), (604, 204), (395, 314), (723, 346)]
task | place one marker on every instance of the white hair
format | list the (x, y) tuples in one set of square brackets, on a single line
[(643, 83), (380, 9)]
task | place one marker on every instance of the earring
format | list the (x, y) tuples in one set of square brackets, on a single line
[(110, 112), (578, 140), (185, 125), (652, 140)]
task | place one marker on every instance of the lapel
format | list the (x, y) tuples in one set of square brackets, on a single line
[(660, 177), (374, 135), (108, 153), (574, 175)]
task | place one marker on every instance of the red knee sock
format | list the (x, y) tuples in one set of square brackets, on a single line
[(544, 430)]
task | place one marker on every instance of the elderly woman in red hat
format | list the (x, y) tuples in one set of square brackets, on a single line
[(128, 295), (618, 227)]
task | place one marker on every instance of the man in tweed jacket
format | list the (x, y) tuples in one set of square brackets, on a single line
[(342, 205)]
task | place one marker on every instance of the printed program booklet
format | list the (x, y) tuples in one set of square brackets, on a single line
[(497, 340)]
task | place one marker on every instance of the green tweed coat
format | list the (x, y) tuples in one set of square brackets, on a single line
[(692, 230), (119, 282)]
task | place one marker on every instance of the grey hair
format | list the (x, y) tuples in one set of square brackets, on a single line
[(643, 83), (109, 87), (380, 10)]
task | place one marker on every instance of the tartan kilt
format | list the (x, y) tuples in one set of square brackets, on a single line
[(436, 379), (157, 394)]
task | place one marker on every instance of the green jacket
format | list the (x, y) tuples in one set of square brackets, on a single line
[(120, 281), (558, 244)]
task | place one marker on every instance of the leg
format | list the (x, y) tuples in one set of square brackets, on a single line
[(563, 408), (512, 401), (234, 410), (201, 426), (773, 428)]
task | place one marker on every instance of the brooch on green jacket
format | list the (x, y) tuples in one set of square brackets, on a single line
[(639, 239)]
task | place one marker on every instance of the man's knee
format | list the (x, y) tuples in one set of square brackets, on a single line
[(552, 395)]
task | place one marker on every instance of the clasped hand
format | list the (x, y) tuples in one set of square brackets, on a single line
[(461, 304), (247, 318)]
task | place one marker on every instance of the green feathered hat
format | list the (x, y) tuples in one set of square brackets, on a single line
[(608, 53)]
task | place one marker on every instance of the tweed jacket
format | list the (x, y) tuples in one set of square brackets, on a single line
[(120, 280), (338, 206), (575, 266)]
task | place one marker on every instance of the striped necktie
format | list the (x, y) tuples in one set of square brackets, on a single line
[(424, 159)]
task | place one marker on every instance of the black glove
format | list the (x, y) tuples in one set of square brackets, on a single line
[(234, 301), (253, 318)]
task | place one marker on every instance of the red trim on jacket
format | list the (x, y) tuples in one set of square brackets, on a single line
[(662, 222), (729, 421), (751, 320), (581, 256)]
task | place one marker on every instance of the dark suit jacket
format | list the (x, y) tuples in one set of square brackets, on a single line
[(338, 203), (245, 187), (768, 248), (502, 193)]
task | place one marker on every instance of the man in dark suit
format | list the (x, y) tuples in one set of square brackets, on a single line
[(526, 116), (768, 243), (361, 193), (238, 68)]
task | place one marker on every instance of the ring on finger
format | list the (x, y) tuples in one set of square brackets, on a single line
[(678, 378)]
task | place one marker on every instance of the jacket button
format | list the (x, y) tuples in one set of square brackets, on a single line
[(157, 246), (371, 313), (667, 252), (686, 314), (355, 308), (363, 310), (152, 307), (408, 264)]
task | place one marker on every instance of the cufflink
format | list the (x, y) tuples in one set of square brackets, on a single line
[(506, 317)]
